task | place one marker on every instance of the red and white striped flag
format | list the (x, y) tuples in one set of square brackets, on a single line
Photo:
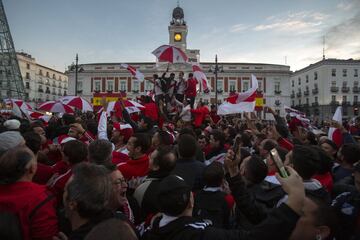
[(134, 72), (200, 76), (335, 134), (241, 102)]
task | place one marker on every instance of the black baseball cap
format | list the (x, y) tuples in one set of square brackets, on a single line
[(172, 183)]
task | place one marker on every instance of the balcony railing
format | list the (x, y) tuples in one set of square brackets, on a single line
[(292, 95), (54, 85), (345, 89), (298, 94), (306, 105), (334, 89), (315, 104), (315, 91), (306, 93), (40, 90), (356, 89), (334, 103), (346, 103), (277, 92)]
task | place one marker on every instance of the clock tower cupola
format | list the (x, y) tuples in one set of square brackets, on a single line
[(178, 29)]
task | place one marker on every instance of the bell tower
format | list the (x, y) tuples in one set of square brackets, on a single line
[(178, 29)]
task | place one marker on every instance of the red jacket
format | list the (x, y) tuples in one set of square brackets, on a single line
[(151, 111), (200, 115), (190, 90), (22, 198), (119, 157), (43, 174), (326, 180), (57, 186), (215, 118), (135, 168)]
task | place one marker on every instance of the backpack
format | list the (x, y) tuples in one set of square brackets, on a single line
[(212, 206)]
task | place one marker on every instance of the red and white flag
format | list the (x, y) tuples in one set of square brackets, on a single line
[(241, 102), (200, 76), (293, 112), (134, 72), (335, 134)]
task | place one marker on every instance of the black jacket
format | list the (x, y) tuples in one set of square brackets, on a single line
[(191, 171), (278, 225)]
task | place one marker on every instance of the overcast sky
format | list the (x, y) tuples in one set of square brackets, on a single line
[(263, 31)]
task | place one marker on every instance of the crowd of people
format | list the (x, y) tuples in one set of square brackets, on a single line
[(176, 170)]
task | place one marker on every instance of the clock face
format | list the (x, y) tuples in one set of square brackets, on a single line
[(177, 37)]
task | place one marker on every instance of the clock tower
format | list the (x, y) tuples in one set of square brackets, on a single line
[(178, 29)]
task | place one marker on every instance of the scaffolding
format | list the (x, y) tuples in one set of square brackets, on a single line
[(11, 83)]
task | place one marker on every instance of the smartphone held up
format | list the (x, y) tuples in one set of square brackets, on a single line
[(278, 163)]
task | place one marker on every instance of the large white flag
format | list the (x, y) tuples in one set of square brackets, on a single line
[(335, 134), (134, 72), (241, 102)]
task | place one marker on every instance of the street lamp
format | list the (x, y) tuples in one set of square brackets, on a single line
[(76, 69), (215, 69)]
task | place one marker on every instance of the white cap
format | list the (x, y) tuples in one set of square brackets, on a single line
[(12, 124)]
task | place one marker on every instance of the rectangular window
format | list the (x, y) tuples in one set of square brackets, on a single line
[(315, 75), (333, 98), (260, 88), (292, 83), (110, 85), (277, 86), (344, 84), (344, 98), (292, 103), (299, 81), (232, 85), (79, 86), (148, 86), (47, 74), (27, 85), (355, 98), (344, 72), (299, 101), (316, 99), (27, 66), (136, 85), (333, 83), (40, 72), (315, 85), (97, 85), (356, 84), (123, 85), (245, 86), (356, 73), (307, 78), (220, 86), (333, 72), (27, 75), (307, 88), (307, 101)]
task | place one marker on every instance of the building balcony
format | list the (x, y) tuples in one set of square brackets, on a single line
[(219, 91), (53, 93), (306, 93), (59, 86), (315, 91), (40, 81), (54, 85), (334, 89), (345, 89), (298, 94), (315, 104), (356, 89), (277, 92), (47, 91), (292, 95), (40, 90), (48, 84), (306, 105), (346, 103), (277, 103), (135, 91), (335, 103)]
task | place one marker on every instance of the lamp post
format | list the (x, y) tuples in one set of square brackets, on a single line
[(215, 69), (76, 73)]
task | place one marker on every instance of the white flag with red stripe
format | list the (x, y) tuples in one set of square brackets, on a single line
[(200, 76), (335, 134), (134, 72), (241, 102)]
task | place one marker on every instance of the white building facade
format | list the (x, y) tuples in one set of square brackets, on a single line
[(110, 78), (319, 88), (41, 83)]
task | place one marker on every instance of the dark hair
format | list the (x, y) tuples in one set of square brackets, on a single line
[(187, 130), (163, 160), (203, 137), (75, 151), (306, 161), (112, 228), (100, 152), (68, 119), (246, 139), (90, 188), (232, 132), (213, 175), (269, 144), (350, 152), (256, 169), (326, 163), (32, 141), (311, 137), (218, 136), (142, 141), (165, 137), (148, 122), (10, 227), (187, 146), (191, 75), (35, 125), (92, 127), (13, 164), (331, 143), (174, 202)]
